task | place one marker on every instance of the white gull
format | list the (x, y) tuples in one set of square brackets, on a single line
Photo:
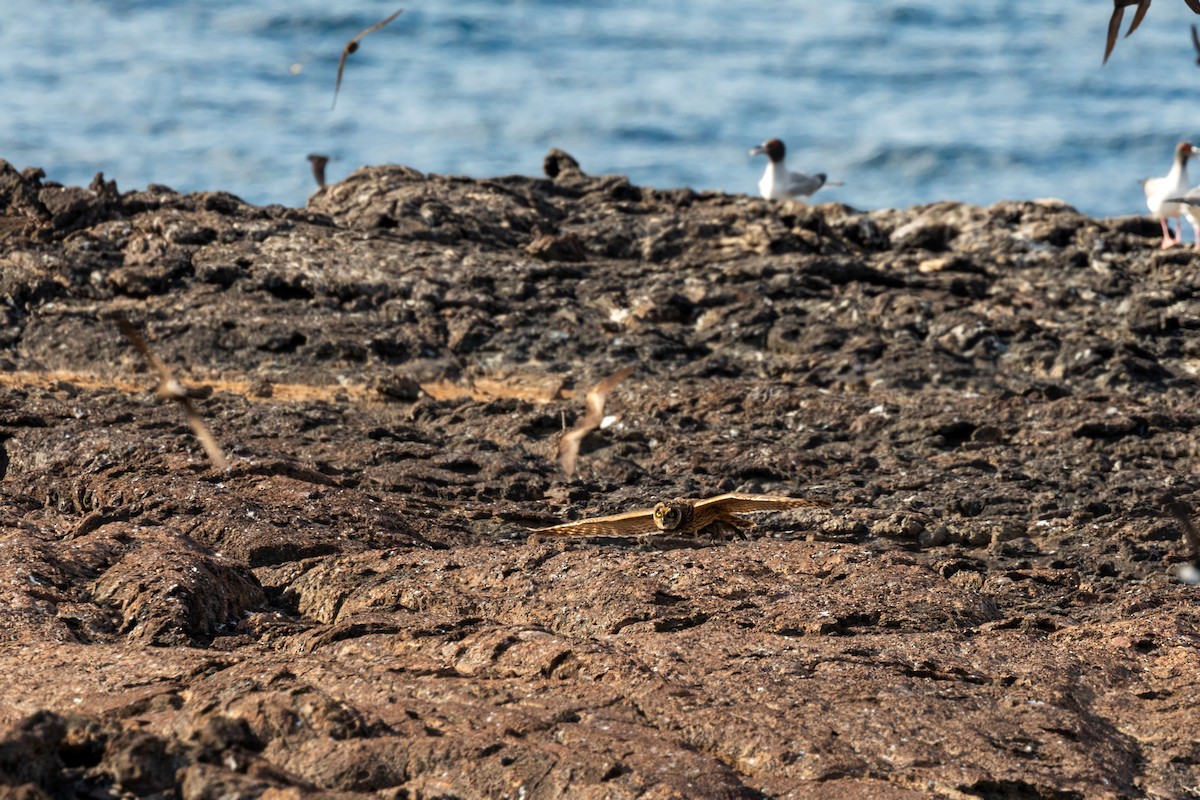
[(778, 183), (1162, 193)]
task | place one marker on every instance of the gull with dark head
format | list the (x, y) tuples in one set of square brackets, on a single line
[(1162, 193), (778, 183)]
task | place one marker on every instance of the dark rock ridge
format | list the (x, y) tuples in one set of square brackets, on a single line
[(995, 401)]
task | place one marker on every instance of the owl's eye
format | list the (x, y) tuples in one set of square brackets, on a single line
[(667, 517)]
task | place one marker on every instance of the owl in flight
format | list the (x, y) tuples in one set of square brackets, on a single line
[(680, 517)]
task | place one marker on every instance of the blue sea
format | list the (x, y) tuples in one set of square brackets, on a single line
[(905, 102)]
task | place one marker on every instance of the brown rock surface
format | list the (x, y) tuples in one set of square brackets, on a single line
[(995, 401)]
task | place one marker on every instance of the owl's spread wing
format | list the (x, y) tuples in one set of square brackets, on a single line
[(631, 523), (746, 503)]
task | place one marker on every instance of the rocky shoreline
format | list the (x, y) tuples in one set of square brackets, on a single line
[(995, 401)]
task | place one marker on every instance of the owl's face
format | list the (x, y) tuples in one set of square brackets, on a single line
[(668, 516)]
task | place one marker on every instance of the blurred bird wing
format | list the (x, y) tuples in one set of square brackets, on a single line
[(131, 333), (351, 46), (568, 448), (1114, 30), (209, 442), (801, 184), (568, 445), (631, 523), (318, 162), (1194, 5), (1154, 187), (379, 25), (1192, 198), (747, 503), (169, 389), (598, 394), (1142, 7), (1183, 514), (341, 69)]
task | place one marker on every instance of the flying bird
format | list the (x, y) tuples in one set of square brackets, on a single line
[(778, 183), (1182, 512), (1163, 194), (352, 46), (169, 389), (680, 517), (318, 163), (1114, 23), (568, 445)]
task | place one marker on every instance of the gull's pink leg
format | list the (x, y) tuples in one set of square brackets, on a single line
[(1168, 239)]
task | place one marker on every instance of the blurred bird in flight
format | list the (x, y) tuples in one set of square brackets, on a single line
[(352, 46)]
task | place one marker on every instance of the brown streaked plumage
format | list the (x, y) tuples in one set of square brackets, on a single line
[(169, 389), (352, 46), (318, 163), (568, 445), (680, 517)]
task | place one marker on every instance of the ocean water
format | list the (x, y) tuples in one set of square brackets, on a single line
[(904, 101)]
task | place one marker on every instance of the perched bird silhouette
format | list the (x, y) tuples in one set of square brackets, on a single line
[(1163, 194), (1114, 23), (568, 445), (352, 47), (680, 517), (778, 183), (318, 163)]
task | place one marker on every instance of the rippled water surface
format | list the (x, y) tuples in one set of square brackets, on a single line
[(906, 102)]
